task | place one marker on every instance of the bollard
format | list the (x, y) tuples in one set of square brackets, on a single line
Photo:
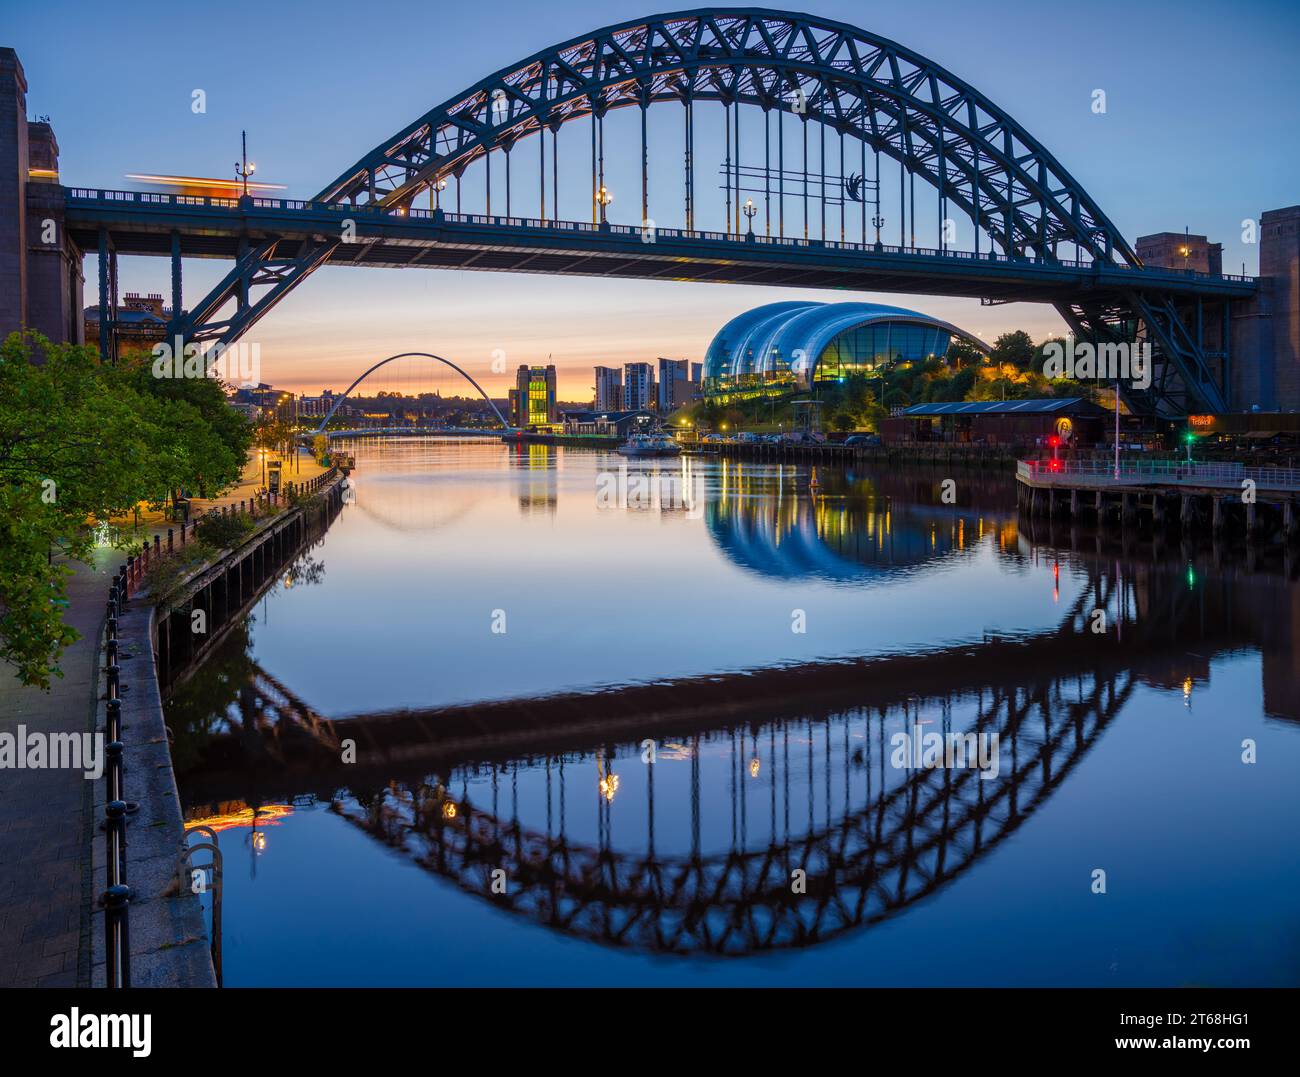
[(157, 545), (171, 541)]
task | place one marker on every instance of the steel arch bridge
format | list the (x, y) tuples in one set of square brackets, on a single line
[(411, 355), (884, 99)]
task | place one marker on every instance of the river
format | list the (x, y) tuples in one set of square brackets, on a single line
[(536, 715)]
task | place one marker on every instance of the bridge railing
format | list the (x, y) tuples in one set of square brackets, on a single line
[(1172, 472), (95, 194)]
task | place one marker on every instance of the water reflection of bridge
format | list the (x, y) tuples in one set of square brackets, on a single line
[(531, 787)]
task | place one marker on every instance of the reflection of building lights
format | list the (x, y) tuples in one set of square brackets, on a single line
[(754, 767), (449, 809), (1187, 691), (609, 786), (259, 842)]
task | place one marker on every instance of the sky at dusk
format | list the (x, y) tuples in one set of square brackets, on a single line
[(1200, 131)]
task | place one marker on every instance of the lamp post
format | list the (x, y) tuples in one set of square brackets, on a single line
[(437, 189), (749, 209), (603, 199), (244, 168)]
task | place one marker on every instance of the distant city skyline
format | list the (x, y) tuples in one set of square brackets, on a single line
[(1170, 72)]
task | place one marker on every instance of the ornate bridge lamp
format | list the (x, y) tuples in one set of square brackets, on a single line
[(245, 168), (603, 199), (436, 190), (749, 209), (878, 222)]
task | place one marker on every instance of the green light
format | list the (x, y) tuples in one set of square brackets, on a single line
[(1191, 577)]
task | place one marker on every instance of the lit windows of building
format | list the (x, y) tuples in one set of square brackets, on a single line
[(639, 387), (532, 400), (782, 347)]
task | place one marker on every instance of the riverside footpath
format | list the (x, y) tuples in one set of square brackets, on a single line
[(51, 847)]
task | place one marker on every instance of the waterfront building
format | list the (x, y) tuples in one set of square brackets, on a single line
[(676, 386), (316, 407), (1071, 420), (141, 321), (639, 387), (609, 388), (793, 345), (607, 423), (532, 400)]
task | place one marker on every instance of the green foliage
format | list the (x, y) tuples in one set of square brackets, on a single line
[(164, 575), (1016, 348), (223, 531), (80, 441)]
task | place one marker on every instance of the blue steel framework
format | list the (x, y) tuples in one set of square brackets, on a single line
[(894, 101)]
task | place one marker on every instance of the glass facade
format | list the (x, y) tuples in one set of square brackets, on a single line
[(787, 346), (863, 349)]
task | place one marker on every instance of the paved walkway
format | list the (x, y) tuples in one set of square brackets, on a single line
[(46, 816)]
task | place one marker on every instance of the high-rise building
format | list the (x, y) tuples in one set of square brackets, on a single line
[(532, 400), (609, 388), (638, 387), (677, 386)]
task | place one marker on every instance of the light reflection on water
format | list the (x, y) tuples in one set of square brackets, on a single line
[(686, 571)]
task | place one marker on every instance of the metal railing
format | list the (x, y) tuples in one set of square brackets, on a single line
[(95, 194), (116, 898), (1173, 472), (149, 556)]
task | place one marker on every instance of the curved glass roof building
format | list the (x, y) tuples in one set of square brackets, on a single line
[(790, 345)]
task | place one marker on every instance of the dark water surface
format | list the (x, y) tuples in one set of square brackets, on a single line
[(655, 703)]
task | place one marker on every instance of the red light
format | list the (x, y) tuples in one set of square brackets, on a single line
[(1056, 465), (1053, 441)]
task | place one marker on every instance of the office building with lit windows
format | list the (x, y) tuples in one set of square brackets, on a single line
[(782, 347), (639, 387), (532, 400)]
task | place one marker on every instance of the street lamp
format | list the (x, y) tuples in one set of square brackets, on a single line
[(603, 199), (749, 209), (246, 168), (438, 188)]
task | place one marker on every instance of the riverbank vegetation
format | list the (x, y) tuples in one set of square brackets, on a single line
[(82, 443)]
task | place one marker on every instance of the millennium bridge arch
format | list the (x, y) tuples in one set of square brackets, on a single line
[(409, 355), (1038, 235)]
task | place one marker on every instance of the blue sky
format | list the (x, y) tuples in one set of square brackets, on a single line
[(1201, 130)]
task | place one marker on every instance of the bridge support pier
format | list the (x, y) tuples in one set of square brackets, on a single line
[(1127, 510)]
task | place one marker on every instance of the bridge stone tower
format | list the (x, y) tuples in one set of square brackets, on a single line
[(1279, 271), (41, 282)]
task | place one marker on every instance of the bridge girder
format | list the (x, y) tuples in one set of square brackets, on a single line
[(897, 102), (900, 103)]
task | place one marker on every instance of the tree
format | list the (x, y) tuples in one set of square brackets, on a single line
[(80, 442), (1015, 348), (962, 353)]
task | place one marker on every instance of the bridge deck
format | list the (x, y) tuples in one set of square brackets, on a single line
[(143, 223)]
